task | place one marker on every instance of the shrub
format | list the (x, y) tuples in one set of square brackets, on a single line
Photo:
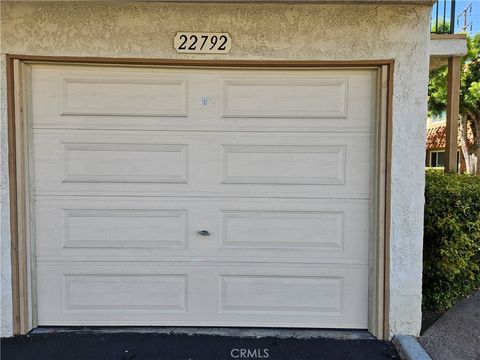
[(451, 255)]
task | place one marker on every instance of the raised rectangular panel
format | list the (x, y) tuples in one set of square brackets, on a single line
[(124, 96), (277, 293), (257, 230), (285, 97), (129, 228), (203, 305), (140, 163), (283, 164), (283, 229), (125, 292)]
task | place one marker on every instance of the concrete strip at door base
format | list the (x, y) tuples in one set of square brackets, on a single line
[(219, 331)]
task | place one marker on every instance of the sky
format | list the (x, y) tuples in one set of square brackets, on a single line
[(474, 16)]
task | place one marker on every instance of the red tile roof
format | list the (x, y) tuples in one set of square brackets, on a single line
[(436, 137)]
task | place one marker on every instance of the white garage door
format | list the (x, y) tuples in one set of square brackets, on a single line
[(201, 197)]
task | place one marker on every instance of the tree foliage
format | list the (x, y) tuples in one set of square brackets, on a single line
[(469, 100), (470, 85), (470, 82), (442, 27)]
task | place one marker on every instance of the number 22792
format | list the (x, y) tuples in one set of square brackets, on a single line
[(203, 43)]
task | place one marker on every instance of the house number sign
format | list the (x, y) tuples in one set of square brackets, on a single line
[(202, 43)]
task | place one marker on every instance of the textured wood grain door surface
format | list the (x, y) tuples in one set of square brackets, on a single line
[(201, 197)]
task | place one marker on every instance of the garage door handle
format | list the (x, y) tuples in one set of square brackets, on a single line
[(204, 233)]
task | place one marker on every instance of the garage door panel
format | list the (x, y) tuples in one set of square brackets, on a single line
[(82, 92), (277, 229), (128, 228), (201, 196), (125, 292), (286, 96), (321, 231), (285, 164), (277, 293), (113, 294), (166, 229), (208, 164), (138, 98), (126, 163), (122, 96)]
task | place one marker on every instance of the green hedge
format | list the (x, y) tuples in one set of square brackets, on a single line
[(451, 255)]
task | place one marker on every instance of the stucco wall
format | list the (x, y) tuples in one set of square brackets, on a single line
[(260, 31)]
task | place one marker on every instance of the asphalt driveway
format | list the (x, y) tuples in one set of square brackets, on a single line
[(164, 346)]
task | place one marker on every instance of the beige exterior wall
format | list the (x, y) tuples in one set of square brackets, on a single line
[(259, 32)]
